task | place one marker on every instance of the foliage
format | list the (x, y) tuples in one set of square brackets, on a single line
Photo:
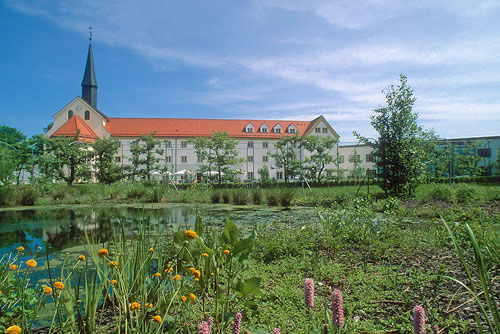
[(15, 146), (28, 196), (241, 196), (218, 153), (400, 148), (144, 156), (69, 158), (285, 156), (468, 160), (358, 170), (263, 173), (321, 154), (107, 171), (8, 165)]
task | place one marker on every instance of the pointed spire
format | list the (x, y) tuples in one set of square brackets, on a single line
[(89, 82)]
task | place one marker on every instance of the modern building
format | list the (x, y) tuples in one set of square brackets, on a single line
[(256, 138)]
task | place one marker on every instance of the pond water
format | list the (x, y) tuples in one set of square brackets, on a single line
[(56, 230)]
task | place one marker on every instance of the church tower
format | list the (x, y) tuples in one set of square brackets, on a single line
[(89, 83)]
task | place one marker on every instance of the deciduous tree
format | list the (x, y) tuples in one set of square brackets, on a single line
[(321, 154), (107, 171), (146, 153), (285, 156)]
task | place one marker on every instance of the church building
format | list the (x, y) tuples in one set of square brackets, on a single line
[(256, 138)]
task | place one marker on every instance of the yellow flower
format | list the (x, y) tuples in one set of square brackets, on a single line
[(157, 275), (192, 296), (196, 279), (183, 298), (191, 269), (212, 274), (13, 330), (169, 270), (13, 267), (157, 318), (177, 277), (226, 251), (196, 274), (204, 254), (113, 282), (135, 306), (47, 290), (113, 264), (151, 250), (103, 252), (81, 258), (20, 248), (59, 285), (190, 234), (31, 263)]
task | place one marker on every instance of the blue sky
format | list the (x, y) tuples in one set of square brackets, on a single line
[(255, 59)]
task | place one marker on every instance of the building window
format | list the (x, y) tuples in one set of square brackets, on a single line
[(118, 159), (250, 175), (250, 144), (265, 158), (370, 158), (184, 144), (341, 159), (317, 130), (277, 130), (265, 144), (325, 130), (484, 152), (184, 159), (200, 160), (279, 175), (250, 158), (354, 157), (87, 115), (168, 144), (70, 114), (291, 130), (168, 159), (250, 130), (263, 130)]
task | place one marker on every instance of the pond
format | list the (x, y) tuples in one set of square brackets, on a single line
[(57, 230)]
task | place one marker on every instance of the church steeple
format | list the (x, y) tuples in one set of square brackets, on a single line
[(89, 83)]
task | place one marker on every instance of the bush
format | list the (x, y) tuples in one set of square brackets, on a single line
[(240, 196), (225, 197), (468, 192), (287, 196), (215, 196), (441, 192), (257, 196), (155, 195), (4, 195), (59, 193), (136, 192), (273, 198), (28, 197)]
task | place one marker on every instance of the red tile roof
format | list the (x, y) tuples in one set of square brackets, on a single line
[(194, 127), (71, 127)]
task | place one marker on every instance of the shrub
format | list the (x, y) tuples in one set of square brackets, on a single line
[(136, 192), (155, 194), (273, 198), (257, 196), (468, 192), (215, 196), (240, 196), (441, 192), (28, 197), (4, 195), (225, 197), (59, 193), (286, 196)]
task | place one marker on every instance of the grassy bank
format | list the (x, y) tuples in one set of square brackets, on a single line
[(383, 265)]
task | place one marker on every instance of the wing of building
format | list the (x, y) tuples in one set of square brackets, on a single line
[(256, 138)]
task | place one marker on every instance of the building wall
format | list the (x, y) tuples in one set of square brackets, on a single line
[(345, 152)]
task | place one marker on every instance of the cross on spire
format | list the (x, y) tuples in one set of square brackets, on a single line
[(90, 37)]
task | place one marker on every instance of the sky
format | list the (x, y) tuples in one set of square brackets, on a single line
[(255, 59)]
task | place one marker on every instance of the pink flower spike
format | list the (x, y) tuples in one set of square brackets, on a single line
[(276, 331), (203, 328), (309, 292), (337, 309), (435, 328), (236, 323), (419, 320)]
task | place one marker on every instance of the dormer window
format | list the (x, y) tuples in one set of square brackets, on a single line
[(70, 114), (249, 128), (292, 128), (277, 128), (264, 128)]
